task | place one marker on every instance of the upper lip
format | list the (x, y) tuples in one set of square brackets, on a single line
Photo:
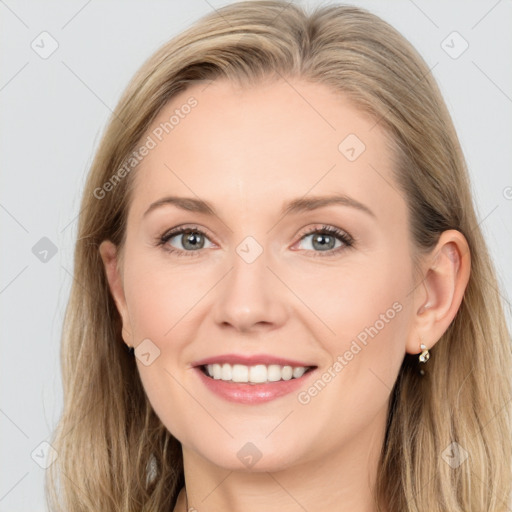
[(250, 360)]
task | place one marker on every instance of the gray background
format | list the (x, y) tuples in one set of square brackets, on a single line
[(54, 110)]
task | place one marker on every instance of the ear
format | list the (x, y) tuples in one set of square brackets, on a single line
[(112, 263), (438, 297)]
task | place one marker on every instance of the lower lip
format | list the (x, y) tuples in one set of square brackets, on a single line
[(243, 393)]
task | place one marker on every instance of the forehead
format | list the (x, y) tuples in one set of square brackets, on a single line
[(271, 140)]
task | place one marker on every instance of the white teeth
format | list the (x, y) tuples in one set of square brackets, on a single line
[(287, 373), (257, 373), (274, 372), (298, 372), (217, 370), (240, 373), (254, 374), (226, 372)]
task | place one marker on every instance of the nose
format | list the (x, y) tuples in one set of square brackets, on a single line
[(250, 297)]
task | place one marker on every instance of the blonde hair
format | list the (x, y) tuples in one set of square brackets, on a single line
[(110, 441)]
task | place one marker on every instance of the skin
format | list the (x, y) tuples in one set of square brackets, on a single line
[(247, 152)]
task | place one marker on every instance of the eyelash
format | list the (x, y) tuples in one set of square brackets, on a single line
[(344, 237)]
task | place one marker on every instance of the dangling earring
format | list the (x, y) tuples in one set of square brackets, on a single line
[(423, 357)]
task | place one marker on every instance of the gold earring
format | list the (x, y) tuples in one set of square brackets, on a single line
[(423, 357)]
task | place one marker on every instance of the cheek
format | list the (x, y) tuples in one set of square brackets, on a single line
[(162, 305), (350, 298), (364, 314), (159, 298)]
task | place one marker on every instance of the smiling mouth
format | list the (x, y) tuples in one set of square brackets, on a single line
[(256, 374)]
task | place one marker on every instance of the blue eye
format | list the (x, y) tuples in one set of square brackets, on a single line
[(326, 241), (192, 239)]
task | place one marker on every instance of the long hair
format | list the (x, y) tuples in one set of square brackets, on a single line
[(114, 453)]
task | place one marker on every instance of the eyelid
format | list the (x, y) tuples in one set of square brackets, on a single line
[(346, 239), (343, 236), (177, 230), (162, 240), (325, 228)]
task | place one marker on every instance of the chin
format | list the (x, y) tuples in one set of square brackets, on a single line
[(250, 457)]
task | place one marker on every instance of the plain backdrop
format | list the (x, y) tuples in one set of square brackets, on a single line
[(55, 107)]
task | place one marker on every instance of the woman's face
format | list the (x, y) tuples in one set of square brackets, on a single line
[(274, 273)]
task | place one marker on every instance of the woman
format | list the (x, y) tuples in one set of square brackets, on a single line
[(290, 302)]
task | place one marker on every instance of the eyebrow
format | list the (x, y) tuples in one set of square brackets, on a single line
[(295, 206)]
